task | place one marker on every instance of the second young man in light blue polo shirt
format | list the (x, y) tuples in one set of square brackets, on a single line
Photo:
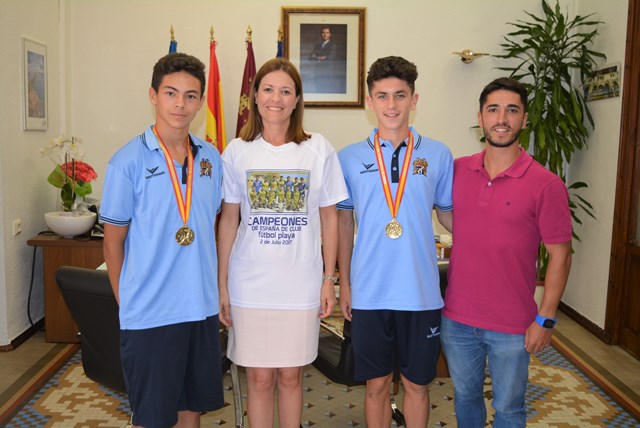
[(389, 280)]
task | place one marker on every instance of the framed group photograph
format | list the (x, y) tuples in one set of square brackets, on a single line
[(34, 86), (327, 45), (604, 83)]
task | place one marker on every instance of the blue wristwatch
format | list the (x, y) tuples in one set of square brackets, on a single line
[(546, 322)]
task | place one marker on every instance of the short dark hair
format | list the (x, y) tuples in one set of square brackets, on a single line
[(392, 66), (507, 84), (174, 63)]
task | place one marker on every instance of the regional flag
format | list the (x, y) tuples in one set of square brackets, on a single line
[(214, 132), (247, 83), (173, 45)]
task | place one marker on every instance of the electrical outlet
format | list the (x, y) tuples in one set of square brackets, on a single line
[(17, 226)]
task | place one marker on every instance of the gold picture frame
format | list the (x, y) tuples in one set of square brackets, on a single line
[(327, 46), (34, 85)]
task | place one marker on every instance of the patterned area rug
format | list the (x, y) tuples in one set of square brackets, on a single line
[(559, 395)]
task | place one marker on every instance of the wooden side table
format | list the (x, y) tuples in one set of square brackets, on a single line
[(58, 251)]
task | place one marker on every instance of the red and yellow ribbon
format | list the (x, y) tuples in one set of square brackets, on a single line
[(394, 206), (184, 206)]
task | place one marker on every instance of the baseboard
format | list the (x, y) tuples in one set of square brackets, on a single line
[(23, 337), (585, 323)]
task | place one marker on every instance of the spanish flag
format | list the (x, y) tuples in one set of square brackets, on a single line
[(215, 133), (247, 83)]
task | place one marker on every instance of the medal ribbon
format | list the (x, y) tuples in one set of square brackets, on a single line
[(394, 206), (184, 207)]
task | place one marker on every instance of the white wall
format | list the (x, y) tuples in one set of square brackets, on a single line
[(109, 48), (597, 166), (113, 46), (23, 173)]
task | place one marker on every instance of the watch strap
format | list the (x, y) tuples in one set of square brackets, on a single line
[(546, 322)]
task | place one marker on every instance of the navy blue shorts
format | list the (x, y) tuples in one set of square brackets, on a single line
[(384, 339), (172, 368)]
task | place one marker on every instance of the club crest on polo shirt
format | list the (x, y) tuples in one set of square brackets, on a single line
[(420, 166), (205, 168)]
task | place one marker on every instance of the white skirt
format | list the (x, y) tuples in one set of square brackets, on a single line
[(273, 337)]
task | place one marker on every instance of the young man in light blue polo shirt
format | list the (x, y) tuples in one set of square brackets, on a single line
[(161, 195), (389, 284)]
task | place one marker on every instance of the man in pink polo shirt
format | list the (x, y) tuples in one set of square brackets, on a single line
[(504, 205)]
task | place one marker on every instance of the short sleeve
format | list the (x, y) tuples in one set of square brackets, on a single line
[(116, 206), (553, 214), (334, 189), (346, 204), (231, 192), (443, 199)]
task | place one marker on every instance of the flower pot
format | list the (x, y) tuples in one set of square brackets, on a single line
[(69, 224)]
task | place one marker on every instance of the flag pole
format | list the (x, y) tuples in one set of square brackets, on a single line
[(173, 44)]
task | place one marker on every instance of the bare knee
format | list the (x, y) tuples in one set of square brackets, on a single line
[(290, 377), (261, 379), (378, 386), (414, 389), (188, 419)]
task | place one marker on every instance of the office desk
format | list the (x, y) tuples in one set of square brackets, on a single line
[(58, 251)]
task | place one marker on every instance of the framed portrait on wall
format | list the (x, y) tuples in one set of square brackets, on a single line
[(327, 45), (34, 86)]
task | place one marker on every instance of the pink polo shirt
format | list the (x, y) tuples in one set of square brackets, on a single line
[(497, 227)]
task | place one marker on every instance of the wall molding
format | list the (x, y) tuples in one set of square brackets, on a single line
[(585, 323), (23, 337)]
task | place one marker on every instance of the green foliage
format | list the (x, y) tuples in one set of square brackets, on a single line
[(551, 50)]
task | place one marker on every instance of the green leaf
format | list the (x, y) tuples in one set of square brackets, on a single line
[(57, 178), (67, 196), (83, 189), (577, 185), (545, 53)]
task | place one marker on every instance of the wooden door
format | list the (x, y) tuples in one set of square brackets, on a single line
[(623, 303), (630, 316)]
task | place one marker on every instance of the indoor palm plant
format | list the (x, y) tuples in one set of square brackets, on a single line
[(552, 56)]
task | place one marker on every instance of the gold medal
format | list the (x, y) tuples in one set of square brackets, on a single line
[(185, 236), (393, 229)]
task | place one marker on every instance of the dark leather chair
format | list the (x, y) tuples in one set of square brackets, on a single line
[(443, 269), (93, 306), (90, 300), (335, 354)]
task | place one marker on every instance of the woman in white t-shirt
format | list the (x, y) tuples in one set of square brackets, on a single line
[(278, 224)]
